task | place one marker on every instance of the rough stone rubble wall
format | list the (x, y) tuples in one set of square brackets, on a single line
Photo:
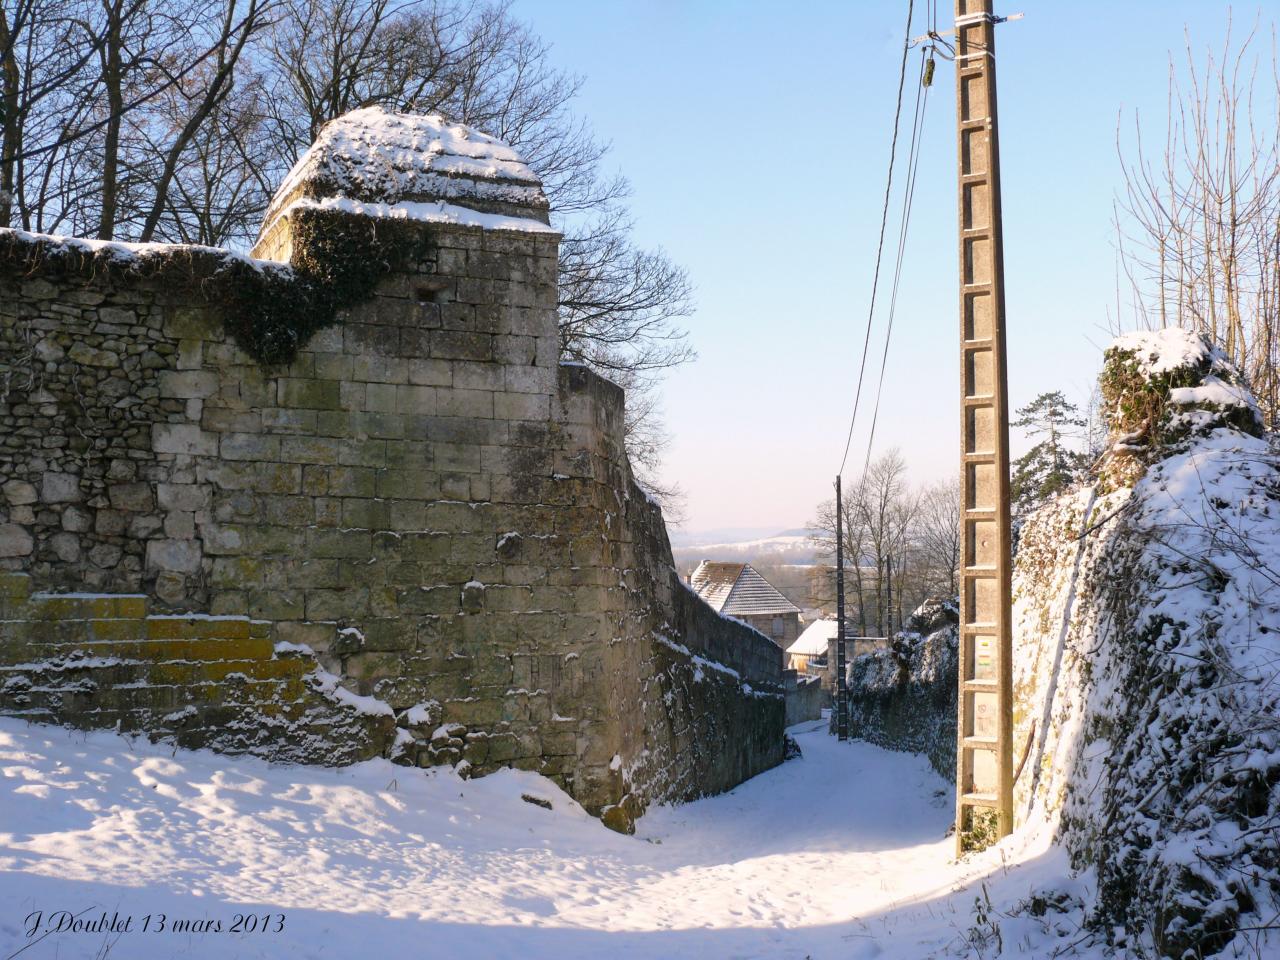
[(1146, 610), (424, 497)]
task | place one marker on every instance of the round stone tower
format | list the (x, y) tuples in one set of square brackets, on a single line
[(411, 166)]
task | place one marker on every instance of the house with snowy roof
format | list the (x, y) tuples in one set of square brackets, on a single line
[(737, 590), (814, 651), (809, 653)]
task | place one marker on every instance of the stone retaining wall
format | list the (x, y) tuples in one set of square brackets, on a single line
[(805, 697), (423, 497), (101, 661)]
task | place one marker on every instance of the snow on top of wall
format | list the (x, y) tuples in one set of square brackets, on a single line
[(126, 252), (437, 212), (373, 152), (1159, 352), (285, 646), (1162, 351)]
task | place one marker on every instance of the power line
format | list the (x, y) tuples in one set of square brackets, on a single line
[(908, 198), (884, 221)]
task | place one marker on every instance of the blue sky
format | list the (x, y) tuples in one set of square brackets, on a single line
[(756, 136)]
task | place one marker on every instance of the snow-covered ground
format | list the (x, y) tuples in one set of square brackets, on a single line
[(841, 853)]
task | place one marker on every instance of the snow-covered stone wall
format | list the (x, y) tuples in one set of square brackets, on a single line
[(1146, 628), (1147, 645), (422, 495)]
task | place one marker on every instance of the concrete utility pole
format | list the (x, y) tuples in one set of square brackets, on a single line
[(842, 684), (984, 758)]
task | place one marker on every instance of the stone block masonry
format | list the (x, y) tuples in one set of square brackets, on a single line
[(99, 661), (423, 497), (805, 697)]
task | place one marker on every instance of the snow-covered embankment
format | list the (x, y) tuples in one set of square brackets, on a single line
[(1147, 681)]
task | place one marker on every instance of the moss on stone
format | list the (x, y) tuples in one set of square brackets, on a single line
[(1144, 422), (983, 831), (338, 258)]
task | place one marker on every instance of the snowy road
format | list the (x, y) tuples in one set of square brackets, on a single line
[(839, 854)]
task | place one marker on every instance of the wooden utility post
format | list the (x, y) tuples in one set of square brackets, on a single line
[(984, 758)]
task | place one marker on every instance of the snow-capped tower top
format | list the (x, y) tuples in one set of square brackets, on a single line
[(417, 166)]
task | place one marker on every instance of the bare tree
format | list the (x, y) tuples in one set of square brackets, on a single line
[(938, 537), (198, 99), (647, 440), (854, 534), (88, 147), (222, 185), (135, 120), (887, 507), (44, 51), (901, 545), (617, 303), (1199, 225)]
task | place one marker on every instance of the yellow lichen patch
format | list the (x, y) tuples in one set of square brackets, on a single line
[(78, 607), (226, 648), (45, 631), (175, 673), (190, 628), (116, 630), (146, 671), (279, 669), (208, 692), (296, 688), (14, 649), (14, 586), (221, 669), (268, 707), (136, 650)]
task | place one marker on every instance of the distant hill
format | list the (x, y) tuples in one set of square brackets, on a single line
[(791, 547), (683, 538), (789, 559)]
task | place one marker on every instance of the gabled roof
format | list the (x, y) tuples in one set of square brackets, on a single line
[(736, 590), (817, 635)]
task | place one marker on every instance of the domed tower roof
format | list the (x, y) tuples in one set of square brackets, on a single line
[(373, 158)]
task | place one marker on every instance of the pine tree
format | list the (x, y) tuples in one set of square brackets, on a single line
[(1050, 466)]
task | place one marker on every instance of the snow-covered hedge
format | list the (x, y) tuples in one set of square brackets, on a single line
[(904, 697)]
